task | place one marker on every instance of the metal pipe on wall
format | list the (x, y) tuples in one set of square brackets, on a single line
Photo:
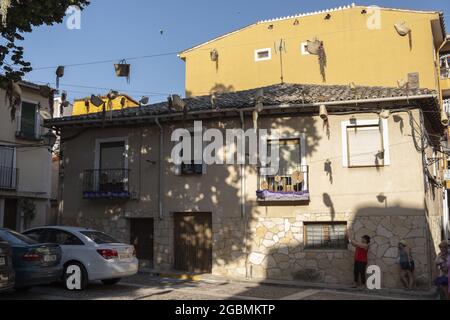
[(160, 168)]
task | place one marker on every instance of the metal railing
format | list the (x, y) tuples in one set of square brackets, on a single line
[(447, 105), (8, 178), (290, 180), (445, 66), (108, 182)]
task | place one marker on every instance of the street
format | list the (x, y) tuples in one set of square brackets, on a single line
[(145, 287)]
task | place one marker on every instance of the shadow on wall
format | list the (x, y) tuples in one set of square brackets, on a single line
[(232, 235), (386, 226)]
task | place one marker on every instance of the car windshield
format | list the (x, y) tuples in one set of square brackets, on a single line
[(16, 238), (99, 237)]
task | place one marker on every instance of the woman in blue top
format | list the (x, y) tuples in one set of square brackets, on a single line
[(406, 264)]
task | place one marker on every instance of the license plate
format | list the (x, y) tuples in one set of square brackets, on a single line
[(50, 258), (2, 261), (124, 256)]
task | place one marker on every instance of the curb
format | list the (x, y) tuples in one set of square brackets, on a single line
[(177, 276)]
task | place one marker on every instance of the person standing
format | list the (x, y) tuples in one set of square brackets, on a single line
[(361, 260), (442, 265), (406, 264)]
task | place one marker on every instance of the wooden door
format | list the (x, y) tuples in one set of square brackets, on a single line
[(141, 231), (193, 242), (10, 214)]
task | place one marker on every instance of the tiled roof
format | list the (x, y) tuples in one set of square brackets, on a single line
[(275, 95)]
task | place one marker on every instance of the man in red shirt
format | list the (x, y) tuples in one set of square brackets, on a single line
[(361, 253)]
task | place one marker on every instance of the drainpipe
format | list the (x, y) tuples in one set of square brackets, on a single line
[(160, 168), (243, 211)]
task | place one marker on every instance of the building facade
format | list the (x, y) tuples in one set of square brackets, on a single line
[(359, 145), (25, 163), (361, 173), (360, 45)]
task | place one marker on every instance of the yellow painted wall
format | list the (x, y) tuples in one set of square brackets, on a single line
[(80, 109), (354, 53)]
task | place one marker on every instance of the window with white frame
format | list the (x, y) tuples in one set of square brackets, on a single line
[(365, 143), (263, 54), (304, 48)]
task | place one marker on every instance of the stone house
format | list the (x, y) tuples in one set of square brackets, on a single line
[(353, 161)]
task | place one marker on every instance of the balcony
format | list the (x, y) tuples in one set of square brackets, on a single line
[(445, 74), (8, 178), (106, 184), (288, 186)]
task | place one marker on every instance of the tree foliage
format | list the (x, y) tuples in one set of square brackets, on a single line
[(22, 16)]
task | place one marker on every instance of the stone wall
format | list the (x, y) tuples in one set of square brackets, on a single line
[(275, 248), (278, 249)]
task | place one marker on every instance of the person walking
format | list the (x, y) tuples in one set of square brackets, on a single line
[(406, 265), (361, 260)]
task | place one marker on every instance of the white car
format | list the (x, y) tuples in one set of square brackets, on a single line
[(96, 254)]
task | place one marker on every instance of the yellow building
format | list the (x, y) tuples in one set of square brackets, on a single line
[(79, 106), (361, 45)]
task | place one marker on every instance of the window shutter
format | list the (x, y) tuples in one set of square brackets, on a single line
[(365, 146)]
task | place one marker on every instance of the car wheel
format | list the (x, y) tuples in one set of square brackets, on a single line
[(71, 271), (110, 282)]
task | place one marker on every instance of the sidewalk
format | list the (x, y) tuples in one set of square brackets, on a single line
[(424, 294)]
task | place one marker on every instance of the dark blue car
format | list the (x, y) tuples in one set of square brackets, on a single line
[(6, 269), (34, 264)]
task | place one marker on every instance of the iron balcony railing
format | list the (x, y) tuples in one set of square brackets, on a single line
[(8, 178), (108, 183), (290, 184)]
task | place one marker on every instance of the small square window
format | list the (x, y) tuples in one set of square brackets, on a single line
[(263, 54), (304, 48)]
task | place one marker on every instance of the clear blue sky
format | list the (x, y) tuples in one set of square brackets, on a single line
[(114, 29)]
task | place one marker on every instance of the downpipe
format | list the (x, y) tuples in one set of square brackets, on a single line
[(160, 169)]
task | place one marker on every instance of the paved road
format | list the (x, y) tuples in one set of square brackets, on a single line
[(145, 287)]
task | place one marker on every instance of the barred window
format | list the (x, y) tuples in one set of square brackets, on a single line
[(330, 235)]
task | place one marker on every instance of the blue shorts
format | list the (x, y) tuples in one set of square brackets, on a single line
[(441, 281)]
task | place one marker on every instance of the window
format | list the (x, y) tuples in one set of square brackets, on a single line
[(8, 172), (193, 167), (16, 238), (304, 48), (365, 143), (99, 237), (330, 235), (39, 235), (64, 238), (111, 174), (263, 54), (29, 121), (112, 155), (445, 66), (447, 105), (290, 162)]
